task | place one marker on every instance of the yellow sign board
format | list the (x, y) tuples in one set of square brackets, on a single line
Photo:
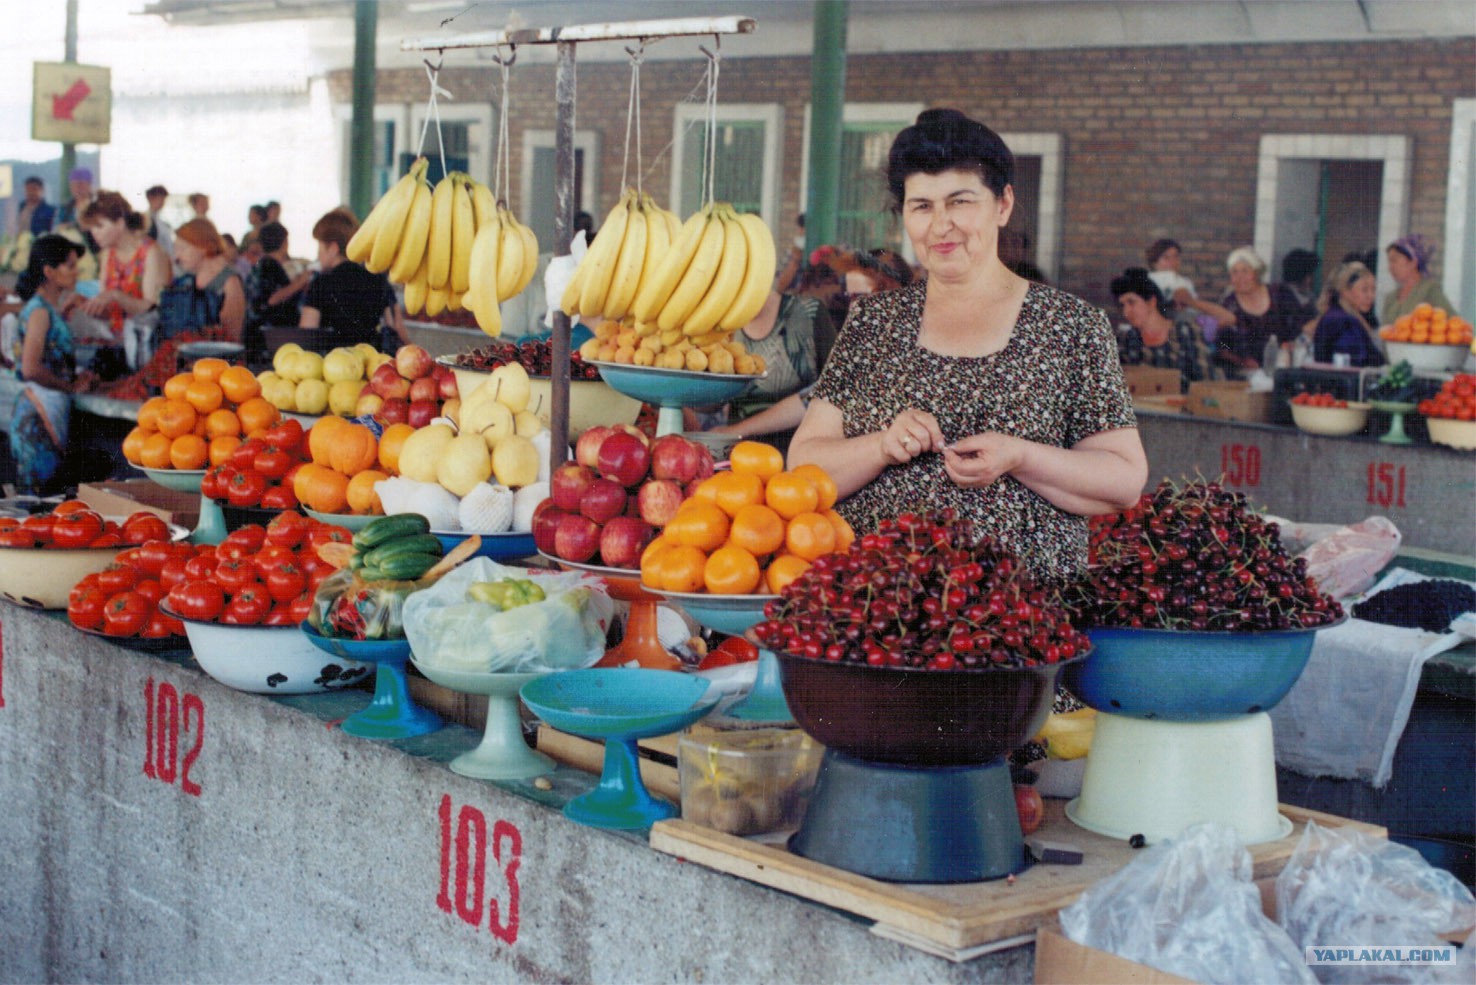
[(71, 103), (7, 181)]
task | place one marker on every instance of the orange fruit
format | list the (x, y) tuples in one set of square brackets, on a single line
[(204, 396), (782, 570), (174, 387), (219, 423), (155, 452), (133, 444), (148, 414), (789, 495), (361, 495), (176, 418), (823, 483), (650, 565), (222, 446), (681, 568), (698, 524), (844, 535), (731, 571), (809, 535), (1423, 310), (757, 529), (201, 427), (756, 458), (189, 451), (707, 489), (257, 415), (238, 384), (390, 444), (734, 490), (209, 368)]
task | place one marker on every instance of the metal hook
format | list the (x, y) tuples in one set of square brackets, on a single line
[(512, 57), (638, 53), (440, 60)]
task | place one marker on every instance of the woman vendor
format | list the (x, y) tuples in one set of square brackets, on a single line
[(46, 365), (1345, 328), (134, 267), (974, 388), (201, 255), (1409, 265), (1158, 334)]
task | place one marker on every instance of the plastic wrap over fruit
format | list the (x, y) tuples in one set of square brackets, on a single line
[(348, 607), (401, 495), (449, 629)]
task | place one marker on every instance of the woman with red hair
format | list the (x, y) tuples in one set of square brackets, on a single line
[(222, 300)]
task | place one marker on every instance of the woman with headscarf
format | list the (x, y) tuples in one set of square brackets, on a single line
[(1409, 265), (1345, 328)]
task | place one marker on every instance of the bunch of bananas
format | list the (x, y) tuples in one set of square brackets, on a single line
[(676, 305), (452, 246)]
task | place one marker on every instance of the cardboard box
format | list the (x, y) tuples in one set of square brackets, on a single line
[(122, 497), (1150, 381), (1230, 401)]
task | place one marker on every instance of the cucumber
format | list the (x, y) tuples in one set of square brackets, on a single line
[(405, 567), (356, 561), (417, 544), (386, 528)]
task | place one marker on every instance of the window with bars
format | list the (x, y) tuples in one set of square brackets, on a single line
[(457, 138), (738, 165), (864, 216)]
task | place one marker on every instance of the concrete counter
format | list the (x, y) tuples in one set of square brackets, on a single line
[(161, 827)]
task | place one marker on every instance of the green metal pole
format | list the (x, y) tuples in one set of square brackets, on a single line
[(827, 106), (362, 192), (68, 151)]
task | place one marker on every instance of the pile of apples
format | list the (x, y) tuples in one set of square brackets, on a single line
[(406, 388), (608, 504)]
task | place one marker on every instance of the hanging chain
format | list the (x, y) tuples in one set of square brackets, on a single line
[(714, 62), (633, 115), (433, 109), (502, 163)]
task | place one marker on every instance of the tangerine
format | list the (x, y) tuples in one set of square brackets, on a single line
[(222, 422), (844, 535), (757, 529), (189, 451), (698, 524), (823, 483), (731, 571), (707, 489), (222, 446), (238, 384), (681, 568), (155, 452), (782, 570), (148, 414), (176, 418), (209, 368), (650, 565), (133, 444), (257, 415), (204, 396), (175, 386), (789, 495), (756, 458), (734, 490), (809, 535), (390, 444)]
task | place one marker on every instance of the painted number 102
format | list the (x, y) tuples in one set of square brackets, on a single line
[(167, 715)]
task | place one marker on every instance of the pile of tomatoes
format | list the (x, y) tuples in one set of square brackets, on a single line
[(1456, 399), (259, 471), (1318, 400), (74, 525)]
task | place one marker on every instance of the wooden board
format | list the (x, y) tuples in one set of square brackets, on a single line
[(959, 920)]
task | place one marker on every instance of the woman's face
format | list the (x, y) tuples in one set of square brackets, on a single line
[(1401, 267), (954, 221), (188, 255), (1136, 309), (63, 275), (1362, 292), (1243, 278), (108, 232), (1168, 259)]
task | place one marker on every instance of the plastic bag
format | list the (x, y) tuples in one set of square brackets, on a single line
[(350, 608), (1343, 559), (564, 631), (1188, 906), (558, 274), (1343, 888)]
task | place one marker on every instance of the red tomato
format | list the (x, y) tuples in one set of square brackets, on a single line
[(279, 497), (212, 486), (88, 583), (158, 627), (109, 539), (197, 599), (272, 462), (281, 615), (269, 556), (200, 567), (248, 607), (126, 613), (173, 573), (151, 589), (76, 529), (39, 527), (235, 575), (251, 537), (733, 650), (244, 455), (17, 537), (117, 578), (245, 489), (143, 526), (315, 568), (287, 436), (290, 479), (287, 530), (328, 533), (152, 555), (70, 506), (1029, 806), (301, 606), (285, 581), (86, 610), (129, 557)]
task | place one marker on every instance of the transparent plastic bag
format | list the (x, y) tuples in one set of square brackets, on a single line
[(1343, 559), (1188, 906), (347, 606), (564, 631), (1343, 888)]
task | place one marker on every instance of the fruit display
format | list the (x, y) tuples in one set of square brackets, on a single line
[(606, 506), (1318, 400), (1455, 401), (73, 525), (535, 356), (406, 388), (1195, 557), (201, 418), (673, 297), (452, 246), (261, 471), (921, 592), (1396, 385), (340, 472), (258, 575), (123, 600), (751, 530), (1428, 325)]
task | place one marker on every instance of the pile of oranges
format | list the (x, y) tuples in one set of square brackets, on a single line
[(203, 416), (750, 530), (1428, 324)]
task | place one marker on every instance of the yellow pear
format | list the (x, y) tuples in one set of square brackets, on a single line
[(343, 396), (515, 461), (284, 358), (342, 365), (527, 423), (419, 453), (464, 463), (511, 386)]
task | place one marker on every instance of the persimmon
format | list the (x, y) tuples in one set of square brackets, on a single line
[(204, 396), (154, 454), (222, 446), (698, 524), (175, 386), (756, 458), (734, 490), (148, 414), (757, 529), (133, 444), (209, 368), (731, 571), (844, 535), (257, 415), (650, 570), (238, 384), (176, 418), (681, 568), (789, 495), (782, 570), (824, 485), (809, 535), (361, 495), (189, 451), (222, 422), (390, 444)]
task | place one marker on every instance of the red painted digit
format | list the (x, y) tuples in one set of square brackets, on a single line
[(1252, 465), (443, 814), (471, 864), (192, 702), (1399, 499), (507, 932), (167, 755), (149, 730), (2, 665)]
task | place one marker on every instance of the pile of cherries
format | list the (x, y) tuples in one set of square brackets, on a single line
[(535, 356), (1194, 557), (921, 592)]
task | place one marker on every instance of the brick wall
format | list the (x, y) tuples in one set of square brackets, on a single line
[(1159, 141)]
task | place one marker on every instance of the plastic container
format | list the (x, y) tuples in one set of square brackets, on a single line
[(1156, 778), (1332, 421), (1424, 357), (746, 781)]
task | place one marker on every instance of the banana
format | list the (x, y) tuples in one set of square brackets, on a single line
[(569, 302), (530, 257), (438, 249), (698, 278), (435, 301), (657, 287), (454, 301), (509, 256), (483, 263), (484, 206), (759, 278), (658, 239), (391, 228), (413, 242), (627, 276), (463, 232), (416, 289), (489, 317), (362, 243), (726, 282), (603, 253)]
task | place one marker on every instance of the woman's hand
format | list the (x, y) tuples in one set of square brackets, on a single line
[(85, 381), (980, 459), (910, 434), (99, 305)]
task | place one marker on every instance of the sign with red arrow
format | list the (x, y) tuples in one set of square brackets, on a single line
[(72, 103)]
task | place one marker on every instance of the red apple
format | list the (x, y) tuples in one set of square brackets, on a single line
[(445, 382), (674, 457), (624, 458), (546, 517), (633, 430), (413, 362), (587, 448), (659, 499), (425, 388), (395, 412), (1029, 806), (368, 404), (577, 539), (567, 485), (623, 540), (422, 412), (388, 383), (602, 500)]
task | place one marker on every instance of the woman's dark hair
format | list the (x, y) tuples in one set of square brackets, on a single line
[(111, 205), (1135, 280), (1298, 265), (1158, 248), (945, 140), (271, 236), (50, 250)]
